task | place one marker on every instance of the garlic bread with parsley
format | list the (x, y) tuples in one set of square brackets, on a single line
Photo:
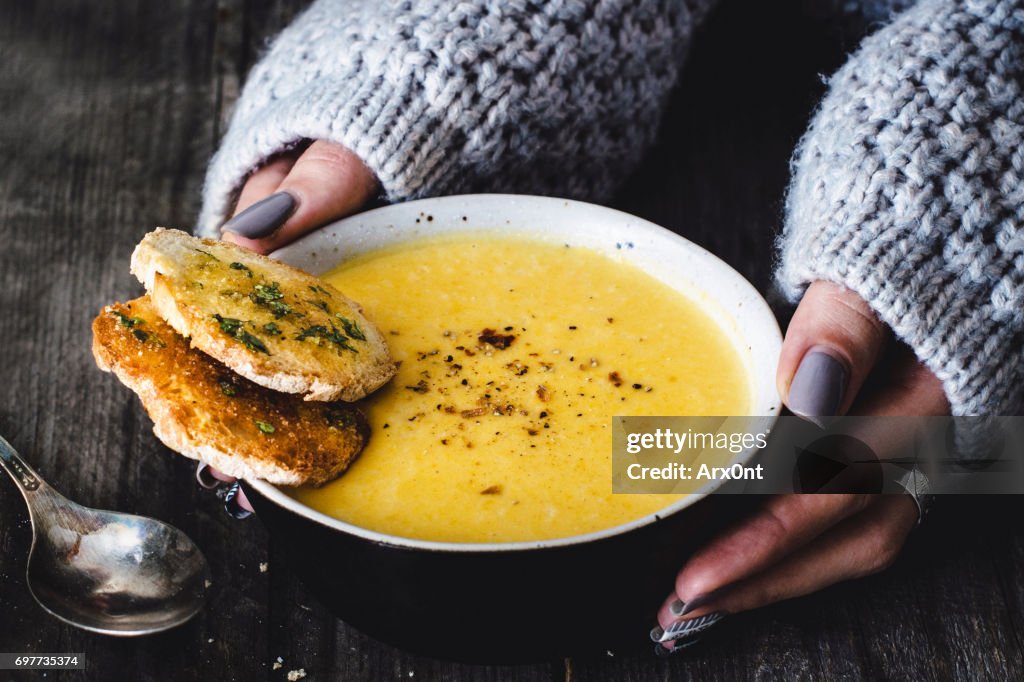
[(273, 324), (203, 410)]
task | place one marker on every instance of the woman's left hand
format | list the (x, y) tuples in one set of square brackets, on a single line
[(837, 358), (296, 193)]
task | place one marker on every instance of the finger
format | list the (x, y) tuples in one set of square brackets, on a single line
[(833, 342), (861, 545), (211, 478), (784, 524), (243, 501), (233, 499), (221, 476), (208, 477), (264, 182), (327, 182)]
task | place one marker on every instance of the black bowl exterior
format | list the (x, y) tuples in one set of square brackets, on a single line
[(496, 606)]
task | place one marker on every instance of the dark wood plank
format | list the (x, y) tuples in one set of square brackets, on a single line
[(105, 108)]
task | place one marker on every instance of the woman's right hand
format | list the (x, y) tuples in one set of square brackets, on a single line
[(286, 198)]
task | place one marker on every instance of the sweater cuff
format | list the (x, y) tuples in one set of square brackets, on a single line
[(385, 124), (966, 332), (906, 190)]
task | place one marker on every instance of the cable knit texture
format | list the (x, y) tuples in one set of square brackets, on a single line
[(446, 96), (909, 189)]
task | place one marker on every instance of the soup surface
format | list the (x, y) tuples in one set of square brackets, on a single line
[(515, 355)]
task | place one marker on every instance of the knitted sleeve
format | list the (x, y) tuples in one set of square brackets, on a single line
[(448, 96), (909, 189)]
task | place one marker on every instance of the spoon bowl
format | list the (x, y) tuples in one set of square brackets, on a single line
[(107, 572)]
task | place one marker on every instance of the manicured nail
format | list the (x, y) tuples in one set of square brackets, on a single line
[(677, 646), (262, 218), (697, 602), (656, 634), (685, 629), (818, 386), (205, 478), (677, 607), (231, 505)]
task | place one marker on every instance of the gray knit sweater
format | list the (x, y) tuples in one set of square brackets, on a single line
[(908, 187)]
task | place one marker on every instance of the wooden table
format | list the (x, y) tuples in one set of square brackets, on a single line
[(109, 112)]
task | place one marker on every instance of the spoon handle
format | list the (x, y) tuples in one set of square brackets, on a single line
[(24, 475)]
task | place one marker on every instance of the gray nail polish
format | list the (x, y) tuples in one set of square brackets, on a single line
[(818, 386), (693, 626), (262, 218), (677, 607), (656, 634)]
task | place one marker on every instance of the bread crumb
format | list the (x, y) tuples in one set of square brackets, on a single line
[(294, 675), (207, 583), (278, 664), (264, 567)]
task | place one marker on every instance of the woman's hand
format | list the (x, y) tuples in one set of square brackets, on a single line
[(837, 358), (294, 194), (284, 199)]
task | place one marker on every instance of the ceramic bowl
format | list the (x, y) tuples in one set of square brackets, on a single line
[(521, 601)]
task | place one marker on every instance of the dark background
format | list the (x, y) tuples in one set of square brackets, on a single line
[(109, 112)]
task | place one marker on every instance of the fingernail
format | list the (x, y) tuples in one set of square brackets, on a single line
[(695, 603), (693, 626), (677, 646), (262, 218), (656, 634), (205, 478), (818, 386), (231, 505), (677, 607)]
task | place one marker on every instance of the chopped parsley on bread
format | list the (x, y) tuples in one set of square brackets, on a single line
[(275, 325), (204, 410)]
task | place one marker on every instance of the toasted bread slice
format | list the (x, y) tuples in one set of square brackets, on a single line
[(205, 411), (273, 324)]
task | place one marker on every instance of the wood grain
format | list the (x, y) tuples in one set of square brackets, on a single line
[(109, 112)]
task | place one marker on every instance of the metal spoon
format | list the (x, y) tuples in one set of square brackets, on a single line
[(116, 574)]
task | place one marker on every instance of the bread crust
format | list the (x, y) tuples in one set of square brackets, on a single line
[(225, 298), (203, 410)]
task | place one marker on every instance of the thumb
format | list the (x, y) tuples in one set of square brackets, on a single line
[(833, 342), (326, 182)]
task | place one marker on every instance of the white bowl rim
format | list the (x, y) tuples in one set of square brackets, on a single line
[(757, 314)]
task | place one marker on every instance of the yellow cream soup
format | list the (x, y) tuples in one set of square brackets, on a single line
[(515, 355)]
